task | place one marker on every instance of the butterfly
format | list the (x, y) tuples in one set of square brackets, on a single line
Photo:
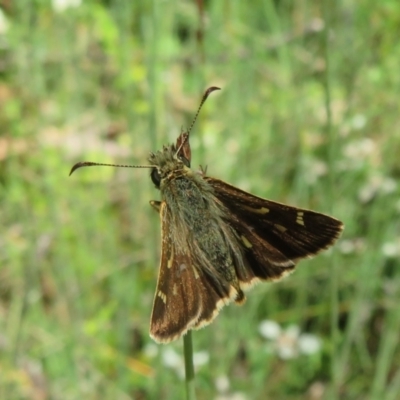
[(217, 241)]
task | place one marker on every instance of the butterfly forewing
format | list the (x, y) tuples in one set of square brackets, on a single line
[(295, 233)]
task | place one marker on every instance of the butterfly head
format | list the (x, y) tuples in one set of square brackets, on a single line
[(168, 164)]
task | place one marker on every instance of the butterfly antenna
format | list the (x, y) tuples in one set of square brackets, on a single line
[(204, 98), (93, 164)]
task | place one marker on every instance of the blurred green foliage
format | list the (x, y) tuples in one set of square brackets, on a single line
[(308, 115)]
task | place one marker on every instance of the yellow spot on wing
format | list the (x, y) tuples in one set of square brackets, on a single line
[(246, 242), (261, 210), (299, 217), (162, 296), (280, 228), (171, 259)]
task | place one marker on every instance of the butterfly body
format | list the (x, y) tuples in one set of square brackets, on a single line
[(202, 249), (218, 241)]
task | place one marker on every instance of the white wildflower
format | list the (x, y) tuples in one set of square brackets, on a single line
[(315, 170), (232, 396), (349, 246), (269, 329), (4, 24), (316, 391), (286, 343), (173, 360), (200, 358), (151, 350), (222, 384), (358, 121), (60, 6), (391, 249), (359, 149), (309, 344), (377, 184), (290, 342)]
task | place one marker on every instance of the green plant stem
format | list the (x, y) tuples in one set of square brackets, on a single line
[(189, 367), (329, 10)]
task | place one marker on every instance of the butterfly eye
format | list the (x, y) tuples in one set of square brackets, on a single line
[(156, 177)]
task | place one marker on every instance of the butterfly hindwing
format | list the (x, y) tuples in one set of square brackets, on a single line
[(186, 297), (177, 303)]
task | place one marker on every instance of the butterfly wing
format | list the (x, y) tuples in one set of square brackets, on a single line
[(177, 304), (274, 236), (185, 297)]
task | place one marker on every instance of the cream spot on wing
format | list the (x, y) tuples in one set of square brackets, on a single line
[(196, 274), (280, 228), (246, 242), (299, 217), (261, 210), (175, 290), (171, 260), (162, 296)]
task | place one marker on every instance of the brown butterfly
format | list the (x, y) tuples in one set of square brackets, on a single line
[(218, 240)]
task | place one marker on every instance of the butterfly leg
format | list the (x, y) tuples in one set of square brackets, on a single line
[(156, 205)]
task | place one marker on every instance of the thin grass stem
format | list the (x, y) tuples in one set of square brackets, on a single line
[(189, 367)]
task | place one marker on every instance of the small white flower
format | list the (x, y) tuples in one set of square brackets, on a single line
[(289, 343), (151, 350), (222, 383), (346, 246), (359, 149), (316, 390), (309, 344), (173, 360), (349, 246), (377, 184), (359, 121), (286, 344), (315, 169), (4, 24), (391, 249), (62, 5), (232, 396), (388, 185), (287, 351), (292, 331), (200, 358), (317, 24), (269, 329)]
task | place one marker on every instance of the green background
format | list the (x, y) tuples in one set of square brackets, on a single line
[(308, 115)]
